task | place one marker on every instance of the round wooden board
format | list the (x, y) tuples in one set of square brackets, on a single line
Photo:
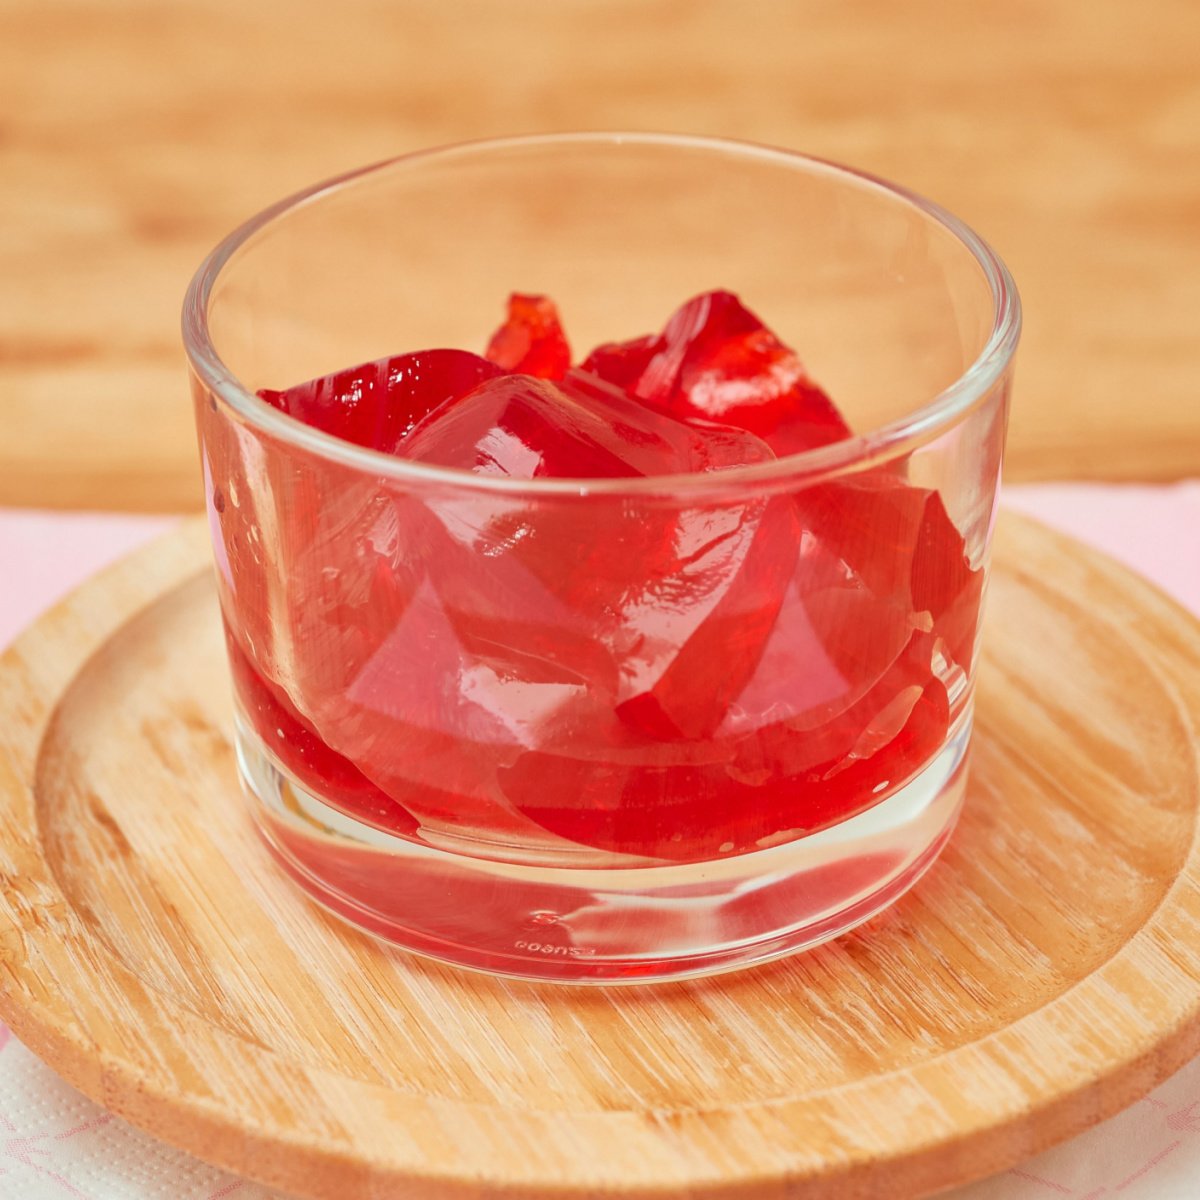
[(1042, 976)]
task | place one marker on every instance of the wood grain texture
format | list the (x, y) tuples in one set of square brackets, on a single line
[(133, 135), (1043, 975)]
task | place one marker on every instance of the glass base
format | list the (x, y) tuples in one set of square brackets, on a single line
[(607, 925)]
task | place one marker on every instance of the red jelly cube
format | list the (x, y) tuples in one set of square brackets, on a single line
[(622, 363), (699, 801), (575, 428), (708, 613), (431, 723), (716, 361), (312, 575), (828, 648), (842, 709), (293, 741), (944, 582), (507, 625), (531, 341), (631, 674), (533, 626), (682, 600), (903, 544), (526, 428), (346, 628), (377, 404), (898, 724)]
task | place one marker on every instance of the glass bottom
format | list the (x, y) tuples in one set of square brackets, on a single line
[(607, 925)]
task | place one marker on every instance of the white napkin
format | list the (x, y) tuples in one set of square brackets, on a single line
[(57, 1145)]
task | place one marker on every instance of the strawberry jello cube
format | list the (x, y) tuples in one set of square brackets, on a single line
[(531, 341), (313, 568), (716, 361), (681, 599), (901, 541), (660, 670), (697, 800), (528, 628), (376, 404)]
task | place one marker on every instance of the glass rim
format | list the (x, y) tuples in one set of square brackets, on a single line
[(857, 451)]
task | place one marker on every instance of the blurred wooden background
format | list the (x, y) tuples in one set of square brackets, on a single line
[(135, 133)]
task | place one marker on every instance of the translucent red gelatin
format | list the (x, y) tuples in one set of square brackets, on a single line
[(302, 752), (716, 361), (659, 678), (531, 341), (377, 404)]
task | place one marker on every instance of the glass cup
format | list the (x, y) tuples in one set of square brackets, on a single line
[(605, 729)]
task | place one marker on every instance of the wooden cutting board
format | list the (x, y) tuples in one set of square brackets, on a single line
[(1042, 976), (135, 134)]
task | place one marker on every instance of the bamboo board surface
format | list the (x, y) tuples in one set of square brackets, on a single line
[(133, 135), (1042, 976)]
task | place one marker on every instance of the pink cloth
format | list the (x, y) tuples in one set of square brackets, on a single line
[(44, 555), (54, 1143), (1155, 530)]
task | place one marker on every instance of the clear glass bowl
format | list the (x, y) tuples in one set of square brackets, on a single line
[(605, 729)]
